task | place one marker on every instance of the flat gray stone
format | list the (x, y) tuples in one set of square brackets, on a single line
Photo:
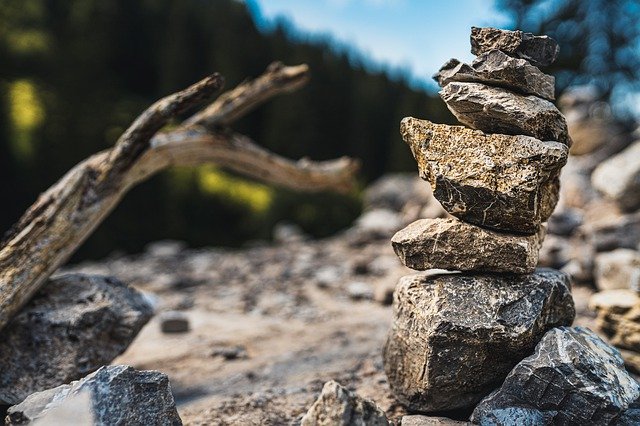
[(455, 337), (572, 378), (117, 395), (497, 110), (74, 325), (495, 68), (455, 245), (503, 182), (539, 50), (619, 177), (337, 406)]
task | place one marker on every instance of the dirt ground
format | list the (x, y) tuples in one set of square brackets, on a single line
[(270, 324)]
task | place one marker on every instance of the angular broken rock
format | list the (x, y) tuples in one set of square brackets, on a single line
[(496, 110), (337, 406), (619, 177), (572, 378), (76, 324), (539, 50), (495, 68), (118, 395), (455, 337), (503, 182), (456, 245)]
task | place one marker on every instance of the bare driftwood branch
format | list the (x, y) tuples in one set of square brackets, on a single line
[(68, 212)]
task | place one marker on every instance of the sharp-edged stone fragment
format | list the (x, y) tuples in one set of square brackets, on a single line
[(496, 110), (118, 395), (337, 406), (76, 324), (503, 182), (573, 378), (495, 68), (455, 337), (456, 245), (539, 50), (619, 177)]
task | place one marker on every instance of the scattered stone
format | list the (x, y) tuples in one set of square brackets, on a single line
[(495, 68), (395, 191), (418, 420), (496, 110), (119, 395), (564, 222), (165, 248), (337, 406), (455, 337), (456, 245), (379, 222), (497, 181), (230, 353), (285, 233), (539, 50), (615, 232), (572, 378), (74, 325), (617, 269), (555, 252), (359, 290), (174, 322), (619, 177), (383, 294), (618, 317)]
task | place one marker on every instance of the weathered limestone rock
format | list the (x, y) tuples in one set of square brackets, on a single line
[(539, 50), (73, 326), (337, 406), (618, 317), (572, 378), (495, 68), (497, 110), (617, 269), (119, 395), (455, 337), (456, 245), (619, 177), (497, 181)]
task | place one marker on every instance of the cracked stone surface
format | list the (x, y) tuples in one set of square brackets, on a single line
[(337, 406), (497, 110), (114, 395), (78, 323), (572, 378), (503, 182), (539, 50), (455, 337), (456, 245), (495, 68)]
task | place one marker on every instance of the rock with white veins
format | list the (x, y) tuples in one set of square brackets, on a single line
[(572, 378), (495, 68), (503, 182), (456, 245), (496, 110), (455, 337), (539, 50)]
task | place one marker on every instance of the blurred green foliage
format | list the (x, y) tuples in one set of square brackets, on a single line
[(75, 73)]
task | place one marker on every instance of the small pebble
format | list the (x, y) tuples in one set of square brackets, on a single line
[(174, 322)]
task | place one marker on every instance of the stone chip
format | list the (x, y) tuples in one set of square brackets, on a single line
[(539, 50)]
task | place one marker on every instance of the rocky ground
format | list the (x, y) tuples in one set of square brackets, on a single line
[(271, 323)]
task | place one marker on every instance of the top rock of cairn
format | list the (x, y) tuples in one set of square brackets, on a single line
[(539, 50)]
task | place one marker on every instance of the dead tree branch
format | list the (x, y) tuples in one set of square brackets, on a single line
[(67, 213)]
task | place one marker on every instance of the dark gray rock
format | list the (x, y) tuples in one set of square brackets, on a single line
[(459, 246), (572, 378), (337, 406), (174, 322), (495, 68), (76, 324), (455, 337), (615, 232), (118, 396), (503, 182), (539, 50), (497, 110)]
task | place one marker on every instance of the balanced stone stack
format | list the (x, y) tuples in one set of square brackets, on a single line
[(456, 335)]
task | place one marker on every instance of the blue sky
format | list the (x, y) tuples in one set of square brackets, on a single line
[(416, 35)]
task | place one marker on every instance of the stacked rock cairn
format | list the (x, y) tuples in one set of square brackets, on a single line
[(459, 331)]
